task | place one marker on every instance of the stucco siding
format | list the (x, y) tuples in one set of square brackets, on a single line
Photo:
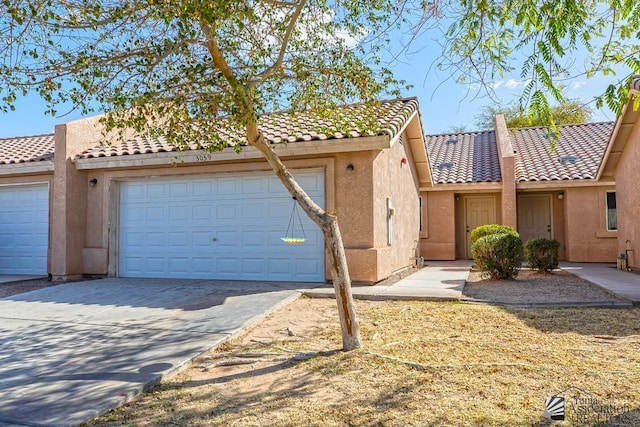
[(585, 220), (395, 178), (438, 238), (628, 199)]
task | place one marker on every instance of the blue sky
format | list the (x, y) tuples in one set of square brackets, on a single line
[(443, 103)]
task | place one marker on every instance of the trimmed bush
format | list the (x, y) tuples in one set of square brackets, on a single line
[(487, 229), (498, 255), (542, 254)]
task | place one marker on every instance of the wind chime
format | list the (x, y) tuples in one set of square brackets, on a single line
[(290, 236)]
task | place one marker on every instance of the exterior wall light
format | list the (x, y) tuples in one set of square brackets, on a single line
[(93, 182), (560, 196), (350, 168)]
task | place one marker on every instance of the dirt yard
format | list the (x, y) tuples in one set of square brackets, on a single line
[(531, 287), (423, 363)]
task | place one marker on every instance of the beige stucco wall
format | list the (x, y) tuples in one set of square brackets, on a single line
[(628, 198), (394, 177), (68, 213), (438, 235), (559, 227), (355, 196), (587, 238)]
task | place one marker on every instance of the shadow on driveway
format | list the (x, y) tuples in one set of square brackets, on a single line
[(71, 352)]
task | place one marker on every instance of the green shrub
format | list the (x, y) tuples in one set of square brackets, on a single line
[(487, 229), (498, 255), (542, 254)]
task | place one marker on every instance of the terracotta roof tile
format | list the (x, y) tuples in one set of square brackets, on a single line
[(25, 149), (282, 127), (464, 157), (578, 152)]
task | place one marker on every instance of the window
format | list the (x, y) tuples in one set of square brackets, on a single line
[(612, 216)]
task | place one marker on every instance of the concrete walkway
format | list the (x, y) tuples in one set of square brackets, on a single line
[(438, 281), (606, 276), (71, 352)]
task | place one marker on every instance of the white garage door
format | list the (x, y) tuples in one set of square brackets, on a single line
[(222, 227), (24, 229)]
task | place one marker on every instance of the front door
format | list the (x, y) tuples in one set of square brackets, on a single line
[(534, 217), (478, 211)]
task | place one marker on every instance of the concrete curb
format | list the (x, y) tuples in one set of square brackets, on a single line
[(383, 297), (585, 304)]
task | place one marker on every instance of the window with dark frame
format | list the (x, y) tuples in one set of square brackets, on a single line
[(612, 216)]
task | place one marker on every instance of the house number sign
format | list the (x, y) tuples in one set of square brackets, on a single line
[(204, 157)]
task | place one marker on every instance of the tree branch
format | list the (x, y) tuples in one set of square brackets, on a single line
[(283, 48)]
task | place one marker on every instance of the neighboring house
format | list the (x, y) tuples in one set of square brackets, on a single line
[(621, 164), (139, 208), (583, 194), (26, 175)]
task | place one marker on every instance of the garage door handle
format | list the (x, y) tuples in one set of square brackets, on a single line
[(214, 240)]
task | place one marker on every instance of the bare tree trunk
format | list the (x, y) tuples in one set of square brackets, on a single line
[(351, 339)]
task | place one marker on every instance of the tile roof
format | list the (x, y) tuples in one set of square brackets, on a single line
[(283, 127), (464, 157), (577, 155), (26, 149)]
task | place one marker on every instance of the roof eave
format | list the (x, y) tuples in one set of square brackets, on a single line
[(27, 168), (617, 141), (415, 137), (561, 184), (465, 187), (193, 157)]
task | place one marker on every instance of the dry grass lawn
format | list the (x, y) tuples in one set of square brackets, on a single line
[(423, 364)]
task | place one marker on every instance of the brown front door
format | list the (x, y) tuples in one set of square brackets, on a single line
[(478, 211), (534, 217)]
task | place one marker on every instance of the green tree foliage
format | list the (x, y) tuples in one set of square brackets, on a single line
[(541, 39), (570, 112)]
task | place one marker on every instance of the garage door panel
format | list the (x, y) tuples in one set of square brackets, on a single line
[(229, 226), (24, 229), (227, 186)]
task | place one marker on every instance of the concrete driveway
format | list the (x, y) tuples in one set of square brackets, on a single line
[(71, 352)]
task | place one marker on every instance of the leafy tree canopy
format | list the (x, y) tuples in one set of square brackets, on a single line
[(516, 117), (171, 67), (542, 39)]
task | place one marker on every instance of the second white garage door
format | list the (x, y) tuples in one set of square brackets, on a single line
[(24, 229), (221, 227)]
